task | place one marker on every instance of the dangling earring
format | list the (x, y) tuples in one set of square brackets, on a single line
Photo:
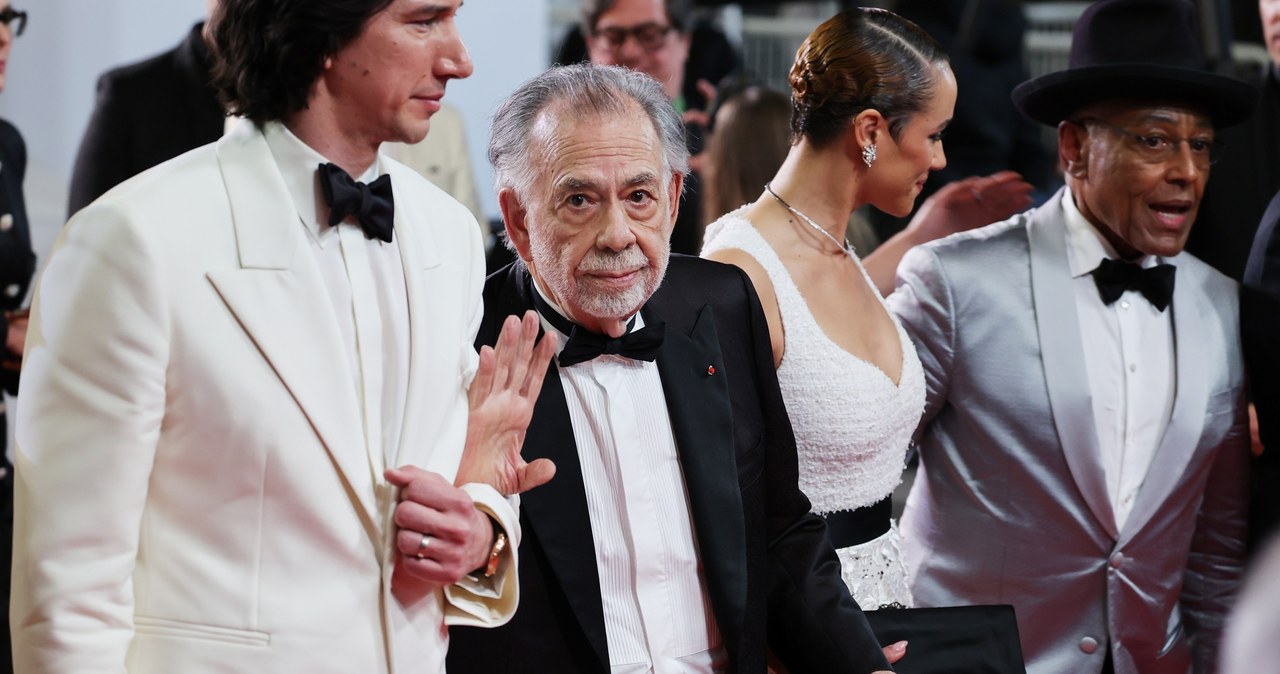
[(869, 154)]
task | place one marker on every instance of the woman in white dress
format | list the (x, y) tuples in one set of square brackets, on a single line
[(871, 96)]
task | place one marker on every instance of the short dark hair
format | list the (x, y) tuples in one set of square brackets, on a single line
[(267, 54), (679, 13), (861, 59)]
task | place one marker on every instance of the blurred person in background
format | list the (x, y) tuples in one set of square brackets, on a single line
[(147, 113), (17, 266), (656, 37), (1246, 175)]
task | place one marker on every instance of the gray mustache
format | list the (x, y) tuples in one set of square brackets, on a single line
[(601, 260)]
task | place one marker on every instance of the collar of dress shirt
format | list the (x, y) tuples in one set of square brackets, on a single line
[(1086, 247), (297, 162), (547, 326)]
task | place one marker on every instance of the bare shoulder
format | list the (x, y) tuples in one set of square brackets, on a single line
[(754, 270)]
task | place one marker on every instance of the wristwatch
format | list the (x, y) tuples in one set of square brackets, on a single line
[(495, 554)]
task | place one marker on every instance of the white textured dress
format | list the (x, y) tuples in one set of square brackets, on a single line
[(852, 425)]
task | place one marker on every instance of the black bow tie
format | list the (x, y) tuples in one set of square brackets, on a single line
[(371, 203), (583, 344), (1114, 277)]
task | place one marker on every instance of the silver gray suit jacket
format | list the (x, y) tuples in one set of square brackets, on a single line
[(1010, 504)]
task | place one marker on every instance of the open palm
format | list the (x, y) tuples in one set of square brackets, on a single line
[(501, 400)]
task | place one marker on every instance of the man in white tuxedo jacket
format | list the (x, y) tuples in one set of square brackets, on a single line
[(245, 396), (1084, 448)]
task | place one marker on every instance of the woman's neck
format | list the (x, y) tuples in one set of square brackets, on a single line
[(822, 184)]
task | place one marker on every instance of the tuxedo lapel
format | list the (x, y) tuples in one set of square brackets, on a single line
[(277, 297), (1191, 399), (419, 257), (1062, 355), (697, 392), (557, 511)]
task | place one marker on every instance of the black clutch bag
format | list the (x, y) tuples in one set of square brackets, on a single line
[(952, 639)]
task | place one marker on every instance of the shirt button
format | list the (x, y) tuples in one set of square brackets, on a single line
[(1133, 367), (12, 290), (6, 222), (1117, 560), (1124, 304), (1089, 645)]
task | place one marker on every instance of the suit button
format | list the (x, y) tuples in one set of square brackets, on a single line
[(1089, 645), (12, 290), (1117, 560), (6, 222)]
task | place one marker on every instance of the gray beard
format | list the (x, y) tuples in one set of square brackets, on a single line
[(581, 298)]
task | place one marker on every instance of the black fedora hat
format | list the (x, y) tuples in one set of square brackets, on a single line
[(1135, 49)]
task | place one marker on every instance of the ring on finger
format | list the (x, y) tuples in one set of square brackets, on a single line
[(422, 546)]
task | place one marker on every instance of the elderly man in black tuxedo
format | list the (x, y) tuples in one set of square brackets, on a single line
[(674, 533)]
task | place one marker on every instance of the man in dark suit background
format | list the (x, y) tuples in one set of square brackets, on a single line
[(674, 533), (656, 37), (17, 266), (147, 113), (1247, 174)]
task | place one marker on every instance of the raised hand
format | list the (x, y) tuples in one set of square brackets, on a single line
[(975, 201), (502, 398)]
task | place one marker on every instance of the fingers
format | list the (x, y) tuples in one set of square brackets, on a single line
[(403, 475), (441, 563), (1002, 177), (535, 474), (520, 368), (482, 383), (894, 652), (538, 367), (427, 488), (508, 341), (434, 525), (707, 89)]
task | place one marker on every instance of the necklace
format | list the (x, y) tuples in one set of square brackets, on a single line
[(847, 248)]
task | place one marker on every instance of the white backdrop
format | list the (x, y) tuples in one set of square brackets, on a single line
[(52, 72)]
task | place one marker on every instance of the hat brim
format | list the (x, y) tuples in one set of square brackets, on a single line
[(1051, 98)]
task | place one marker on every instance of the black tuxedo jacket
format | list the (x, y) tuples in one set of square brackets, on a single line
[(17, 262), (1260, 333), (772, 577), (1241, 184), (146, 113), (17, 265)]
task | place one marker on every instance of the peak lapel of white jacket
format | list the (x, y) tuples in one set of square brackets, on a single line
[(277, 295)]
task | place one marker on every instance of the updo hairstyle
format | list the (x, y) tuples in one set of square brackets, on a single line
[(861, 59)]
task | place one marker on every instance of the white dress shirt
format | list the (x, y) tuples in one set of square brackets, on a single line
[(365, 282), (1129, 355), (657, 615)]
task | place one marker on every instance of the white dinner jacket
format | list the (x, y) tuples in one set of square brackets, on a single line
[(186, 387), (1010, 505)]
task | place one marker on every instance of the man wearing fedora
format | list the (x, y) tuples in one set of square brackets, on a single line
[(1084, 446)]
